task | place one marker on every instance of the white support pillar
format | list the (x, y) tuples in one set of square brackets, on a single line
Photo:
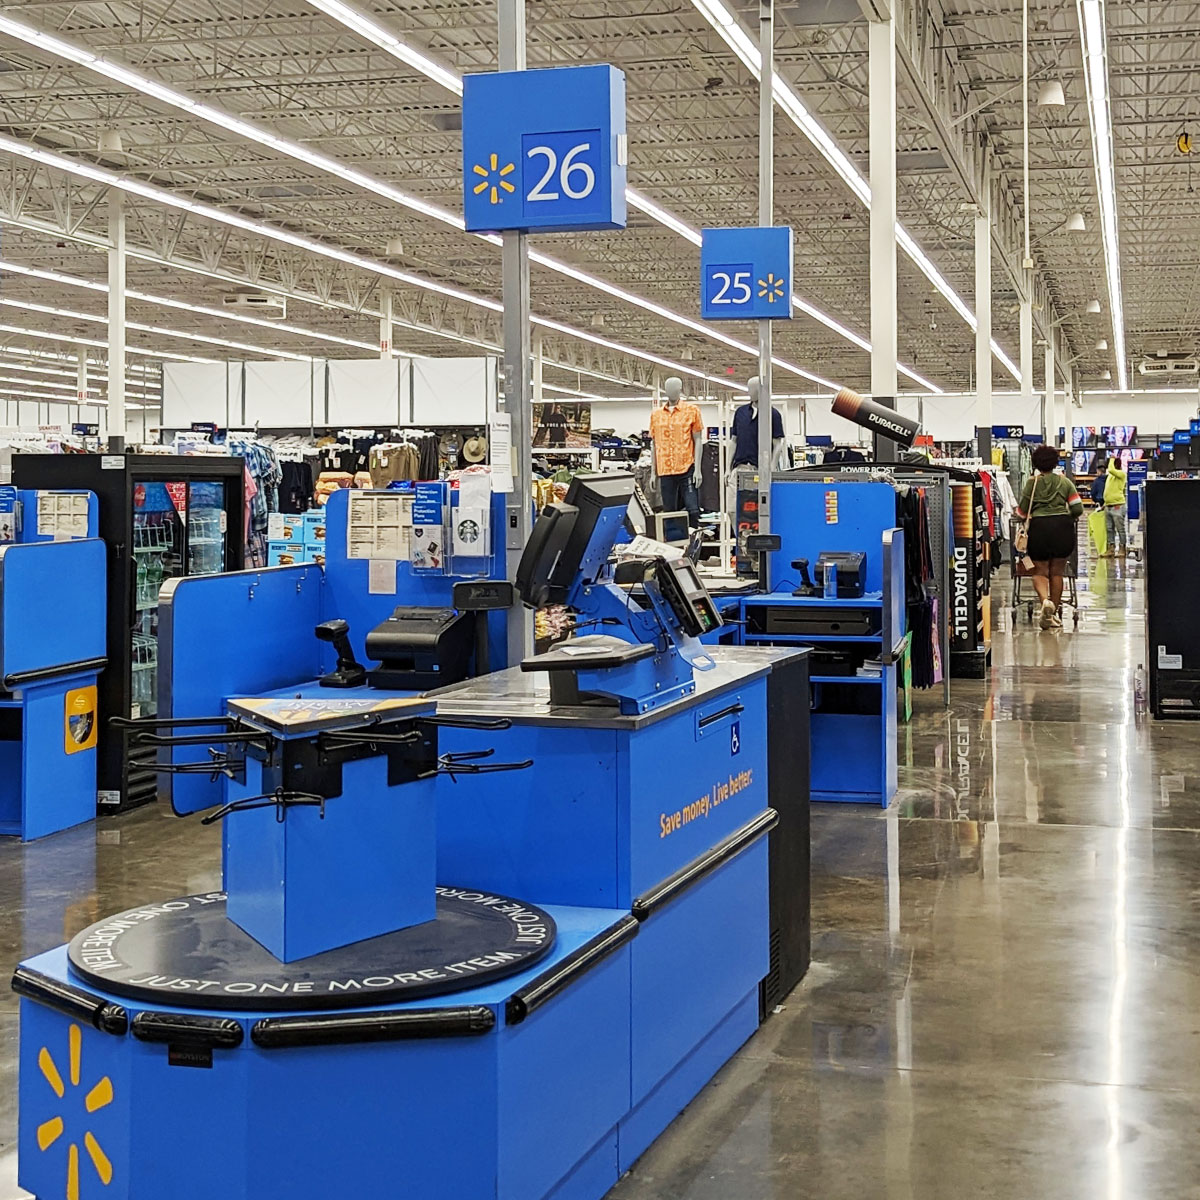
[(81, 375), (539, 365), (881, 42), (116, 319), (983, 304), (1050, 404), (1027, 345), (385, 323)]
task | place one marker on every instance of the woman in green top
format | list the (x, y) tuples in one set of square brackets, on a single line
[(1052, 506)]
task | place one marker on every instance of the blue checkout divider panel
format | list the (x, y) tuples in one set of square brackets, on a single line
[(695, 778), (348, 595), (550, 831), (810, 515), (237, 634), (678, 997), (53, 604)]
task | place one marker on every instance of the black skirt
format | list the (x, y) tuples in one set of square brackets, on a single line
[(1051, 537)]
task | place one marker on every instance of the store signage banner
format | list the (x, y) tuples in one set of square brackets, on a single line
[(545, 149), (746, 274)]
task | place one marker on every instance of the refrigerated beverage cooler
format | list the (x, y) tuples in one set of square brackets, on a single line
[(162, 517)]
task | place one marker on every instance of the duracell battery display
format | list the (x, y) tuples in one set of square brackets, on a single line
[(884, 421)]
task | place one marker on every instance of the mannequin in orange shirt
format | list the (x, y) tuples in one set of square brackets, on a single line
[(676, 430)]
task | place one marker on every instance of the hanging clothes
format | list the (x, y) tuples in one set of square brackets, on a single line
[(296, 486), (262, 467)]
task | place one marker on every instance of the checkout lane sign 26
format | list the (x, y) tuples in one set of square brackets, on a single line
[(544, 149)]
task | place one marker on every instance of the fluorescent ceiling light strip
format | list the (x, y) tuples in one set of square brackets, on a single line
[(170, 200), (1095, 56), (23, 331), (59, 357), (72, 394), (63, 373), (12, 393), (372, 31), (677, 368), (252, 132), (207, 273), (93, 318), (168, 95), (184, 306), (742, 45)]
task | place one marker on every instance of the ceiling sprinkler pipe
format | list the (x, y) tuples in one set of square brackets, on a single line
[(885, 421)]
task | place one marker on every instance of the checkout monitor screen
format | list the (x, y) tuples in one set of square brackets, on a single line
[(572, 541)]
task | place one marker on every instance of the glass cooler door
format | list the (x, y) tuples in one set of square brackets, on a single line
[(207, 527), (159, 552)]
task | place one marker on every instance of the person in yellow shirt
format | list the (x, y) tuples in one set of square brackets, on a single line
[(1114, 507)]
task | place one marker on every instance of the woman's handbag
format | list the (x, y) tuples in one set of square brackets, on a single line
[(1021, 537)]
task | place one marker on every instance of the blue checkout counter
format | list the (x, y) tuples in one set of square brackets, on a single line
[(480, 943), (52, 648), (854, 718)]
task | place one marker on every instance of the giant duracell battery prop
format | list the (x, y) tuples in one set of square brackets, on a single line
[(884, 421)]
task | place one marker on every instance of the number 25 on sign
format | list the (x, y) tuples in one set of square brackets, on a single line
[(518, 174), (746, 273)]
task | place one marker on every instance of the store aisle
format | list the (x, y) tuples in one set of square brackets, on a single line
[(1006, 965)]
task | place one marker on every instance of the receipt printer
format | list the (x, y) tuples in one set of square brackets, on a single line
[(421, 648), (851, 571)]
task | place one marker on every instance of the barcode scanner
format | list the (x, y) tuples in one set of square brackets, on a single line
[(349, 671)]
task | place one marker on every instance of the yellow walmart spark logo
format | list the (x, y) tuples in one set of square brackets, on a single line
[(771, 288), (100, 1096), (494, 179)]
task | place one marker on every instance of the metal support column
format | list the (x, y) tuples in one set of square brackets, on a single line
[(881, 43), (1050, 406), (116, 320), (385, 323), (517, 353), (766, 218), (539, 395), (81, 376), (983, 307), (1027, 348)]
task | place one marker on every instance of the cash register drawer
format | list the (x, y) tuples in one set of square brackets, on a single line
[(814, 620)]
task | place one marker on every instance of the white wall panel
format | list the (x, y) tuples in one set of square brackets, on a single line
[(1152, 414), (951, 418), (281, 394), (447, 391), (370, 391), (201, 392), (1014, 410)]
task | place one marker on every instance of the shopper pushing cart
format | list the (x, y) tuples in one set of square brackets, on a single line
[(1048, 510)]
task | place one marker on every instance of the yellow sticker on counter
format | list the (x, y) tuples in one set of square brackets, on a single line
[(80, 719)]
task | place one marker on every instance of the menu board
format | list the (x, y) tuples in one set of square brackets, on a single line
[(62, 515), (379, 525)]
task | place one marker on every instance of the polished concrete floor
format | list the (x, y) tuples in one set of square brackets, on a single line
[(1004, 1000)]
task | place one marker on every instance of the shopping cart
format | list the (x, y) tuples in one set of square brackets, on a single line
[(1019, 574)]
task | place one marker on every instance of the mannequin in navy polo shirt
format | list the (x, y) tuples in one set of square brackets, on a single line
[(745, 439)]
